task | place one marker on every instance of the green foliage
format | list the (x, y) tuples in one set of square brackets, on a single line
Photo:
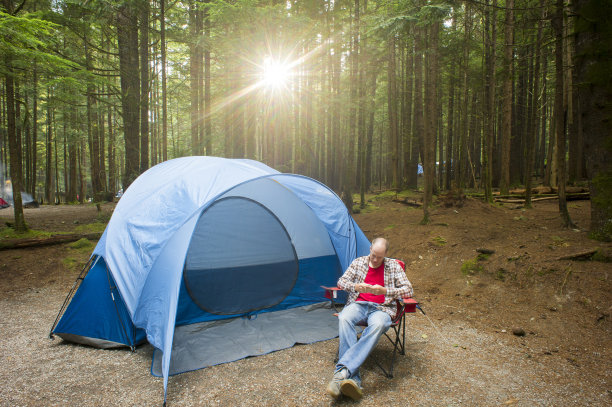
[(92, 227), (557, 241), (483, 256), (600, 256), (81, 244), (471, 267), (500, 274), (439, 241), (26, 40), (8, 232)]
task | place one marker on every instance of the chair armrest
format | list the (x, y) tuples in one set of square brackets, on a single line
[(331, 292), (410, 304)]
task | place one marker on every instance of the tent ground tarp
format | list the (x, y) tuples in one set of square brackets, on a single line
[(215, 342)]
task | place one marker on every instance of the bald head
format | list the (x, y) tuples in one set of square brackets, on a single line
[(381, 242), (378, 251)]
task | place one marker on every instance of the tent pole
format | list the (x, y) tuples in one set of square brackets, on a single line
[(76, 285), (111, 288)]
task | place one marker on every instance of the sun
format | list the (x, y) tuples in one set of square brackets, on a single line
[(275, 74)]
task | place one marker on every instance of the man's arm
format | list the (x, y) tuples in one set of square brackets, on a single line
[(350, 280), (402, 287)]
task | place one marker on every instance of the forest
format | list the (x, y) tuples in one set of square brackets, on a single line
[(362, 95)]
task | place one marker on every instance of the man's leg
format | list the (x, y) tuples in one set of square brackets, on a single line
[(353, 357), (347, 319), (350, 316)]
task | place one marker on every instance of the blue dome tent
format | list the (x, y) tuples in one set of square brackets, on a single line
[(230, 245)]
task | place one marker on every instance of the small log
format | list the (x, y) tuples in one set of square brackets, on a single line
[(6, 244), (485, 251), (409, 202), (570, 197), (579, 256)]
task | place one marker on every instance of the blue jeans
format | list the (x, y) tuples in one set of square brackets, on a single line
[(352, 352)]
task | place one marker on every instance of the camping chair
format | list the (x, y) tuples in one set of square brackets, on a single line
[(396, 334)]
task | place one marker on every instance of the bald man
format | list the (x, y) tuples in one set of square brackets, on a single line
[(373, 283)]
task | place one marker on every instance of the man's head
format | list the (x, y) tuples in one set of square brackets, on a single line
[(378, 251)]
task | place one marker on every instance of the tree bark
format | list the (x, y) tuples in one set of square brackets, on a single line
[(194, 76), (144, 85), (13, 141), (560, 113), (532, 127), (506, 126), (489, 133), (431, 116), (418, 126), (207, 89), (593, 33), (162, 29), (127, 40)]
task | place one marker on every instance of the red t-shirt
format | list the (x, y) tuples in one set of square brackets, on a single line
[(374, 276)]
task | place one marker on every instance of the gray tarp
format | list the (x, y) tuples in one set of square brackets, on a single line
[(211, 343)]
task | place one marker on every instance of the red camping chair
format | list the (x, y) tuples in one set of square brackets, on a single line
[(396, 334)]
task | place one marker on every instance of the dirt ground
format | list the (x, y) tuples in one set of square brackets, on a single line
[(463, 352)]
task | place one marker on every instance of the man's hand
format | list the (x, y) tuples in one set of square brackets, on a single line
[(371, 289), (377, 289), (362, 287)]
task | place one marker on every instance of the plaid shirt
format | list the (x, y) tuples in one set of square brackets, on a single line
[(396, 282)]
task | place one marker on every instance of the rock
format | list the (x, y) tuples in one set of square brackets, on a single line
[(518, 331)]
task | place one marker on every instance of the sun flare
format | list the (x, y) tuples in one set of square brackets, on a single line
[(275, 74)]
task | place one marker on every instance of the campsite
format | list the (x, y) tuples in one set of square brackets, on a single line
[(466, 355), (186, 185)]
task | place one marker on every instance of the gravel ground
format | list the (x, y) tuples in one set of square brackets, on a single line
[(465, 355), (447, 364)]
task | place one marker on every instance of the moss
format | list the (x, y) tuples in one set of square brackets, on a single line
[(81, 243), (500, 274), (471, 267), (439, 241), (483, 256), (70, 262), (91, 227), (600, 256), (8, 232)]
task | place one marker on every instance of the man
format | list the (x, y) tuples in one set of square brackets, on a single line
[(373, 284)]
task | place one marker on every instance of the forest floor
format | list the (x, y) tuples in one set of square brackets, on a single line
[(463, 352)]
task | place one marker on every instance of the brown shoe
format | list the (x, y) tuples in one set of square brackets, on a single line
[(350, 388), (333, 388)]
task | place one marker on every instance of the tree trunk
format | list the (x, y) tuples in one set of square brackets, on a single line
[(418, 126), (593, 32), (506, 126), (14, 142), (463, 162), (194, 75), (162, 29), (431, 116), (533, 114), (144, 86), (207, 89), (92, 127), (34, 167), (489, 110), (127, 41), (410, 167), (49, 154), (560, 114)]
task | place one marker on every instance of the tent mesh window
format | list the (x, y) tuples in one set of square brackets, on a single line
[(240, 248)]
